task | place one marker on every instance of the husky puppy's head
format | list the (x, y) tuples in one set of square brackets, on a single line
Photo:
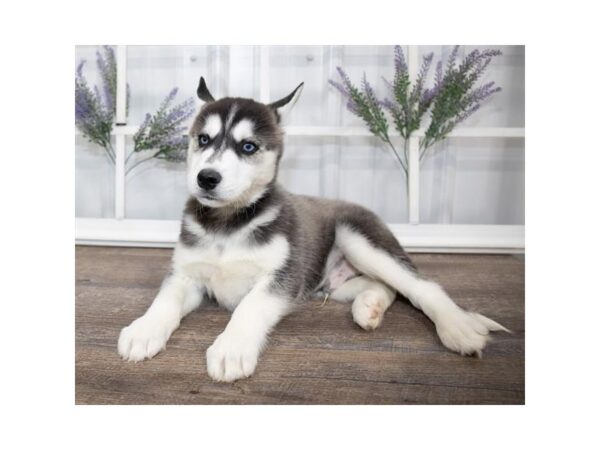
[(235, 148)]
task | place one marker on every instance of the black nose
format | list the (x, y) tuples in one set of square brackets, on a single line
[(208, 179)]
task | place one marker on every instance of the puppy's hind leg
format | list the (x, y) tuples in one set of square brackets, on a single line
[(461, 331), (371, 300)]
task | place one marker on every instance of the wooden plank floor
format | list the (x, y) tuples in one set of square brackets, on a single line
[(318, 355)]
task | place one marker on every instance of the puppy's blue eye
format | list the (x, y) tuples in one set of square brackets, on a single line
[(203, 139), (249, 147)]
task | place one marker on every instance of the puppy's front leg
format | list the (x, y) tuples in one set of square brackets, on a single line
[(234, 353), (148, 335)]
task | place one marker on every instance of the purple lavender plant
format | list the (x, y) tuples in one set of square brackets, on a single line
[(452, 98), (365, 104), (458, 98), (92, 117), (162, 134)]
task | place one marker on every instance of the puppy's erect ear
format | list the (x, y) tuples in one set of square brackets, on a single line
[(203, 92), (284, 106)]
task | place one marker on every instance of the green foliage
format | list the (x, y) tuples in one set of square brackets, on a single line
[(457, 97), (369, 110), (449, 101), (162, 135)]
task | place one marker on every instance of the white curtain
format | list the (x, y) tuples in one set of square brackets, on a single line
[(463, 180)]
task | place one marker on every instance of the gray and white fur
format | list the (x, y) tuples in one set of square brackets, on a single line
[(262, 252)]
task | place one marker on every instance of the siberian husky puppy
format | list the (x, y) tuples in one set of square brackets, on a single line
[(262, 252)]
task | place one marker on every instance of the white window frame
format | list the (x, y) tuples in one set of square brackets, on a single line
[(414, 236)]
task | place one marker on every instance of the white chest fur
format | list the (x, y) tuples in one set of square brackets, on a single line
[(229, 265)]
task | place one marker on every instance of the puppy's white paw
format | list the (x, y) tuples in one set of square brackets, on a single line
[(465, 332), (368, 308), (231, 357), (145, 337)]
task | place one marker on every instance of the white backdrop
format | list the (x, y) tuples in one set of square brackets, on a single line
[(463, 181)]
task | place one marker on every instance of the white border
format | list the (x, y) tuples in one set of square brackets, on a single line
[(415, 238)]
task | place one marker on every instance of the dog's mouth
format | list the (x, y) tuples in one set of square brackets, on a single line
[(210, 200), (211, 197)]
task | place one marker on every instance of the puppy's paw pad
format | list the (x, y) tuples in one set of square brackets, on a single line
[(231, 358), (368, 309), (144, 338)]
